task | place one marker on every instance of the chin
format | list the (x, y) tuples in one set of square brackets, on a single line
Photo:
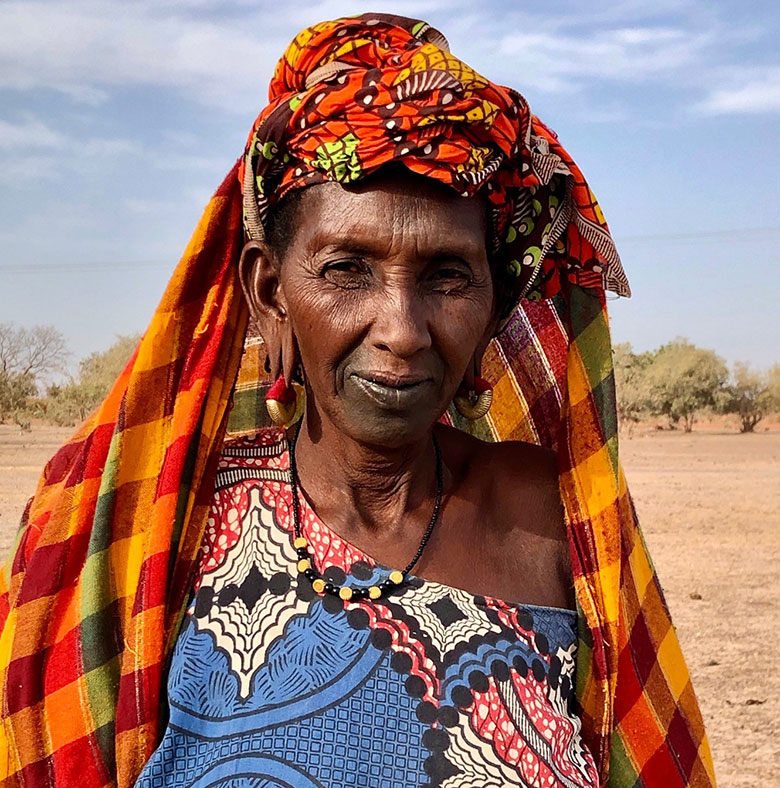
[(390, 430)]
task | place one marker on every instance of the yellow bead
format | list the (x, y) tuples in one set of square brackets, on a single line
[(374, 592), (397, 577), (318, 585), (304, 564), (300, 542), (345, 592)]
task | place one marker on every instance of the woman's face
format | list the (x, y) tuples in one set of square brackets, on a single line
[(389, 295)]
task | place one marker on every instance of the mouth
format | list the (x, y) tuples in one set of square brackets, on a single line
[(393, 392)]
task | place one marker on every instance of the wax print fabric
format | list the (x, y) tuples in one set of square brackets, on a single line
[(93, 597), (430, 686)]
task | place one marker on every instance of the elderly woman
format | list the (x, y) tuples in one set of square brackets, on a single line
[(418, 575)]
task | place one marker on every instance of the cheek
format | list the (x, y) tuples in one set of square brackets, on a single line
[(459, 323), (326, 324), (458, 330)]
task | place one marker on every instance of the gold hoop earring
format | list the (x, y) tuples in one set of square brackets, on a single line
[(474, 403), (285, 404)]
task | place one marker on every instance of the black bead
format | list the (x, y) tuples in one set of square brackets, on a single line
[(386, 586), (310, 574), (302, 552), (331, 589), (360, 593)]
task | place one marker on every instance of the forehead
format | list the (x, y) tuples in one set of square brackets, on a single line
[(392, 208)]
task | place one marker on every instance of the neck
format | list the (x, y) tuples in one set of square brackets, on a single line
[(355, 487)]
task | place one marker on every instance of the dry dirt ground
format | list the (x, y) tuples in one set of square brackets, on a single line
[(710, 506)]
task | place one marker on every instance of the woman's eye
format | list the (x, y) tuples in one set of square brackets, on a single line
[(450, 278), (347, 273)]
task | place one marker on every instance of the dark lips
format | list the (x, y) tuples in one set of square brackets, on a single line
[(393, 394)]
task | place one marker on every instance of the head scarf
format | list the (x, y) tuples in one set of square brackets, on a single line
[(92, 599)]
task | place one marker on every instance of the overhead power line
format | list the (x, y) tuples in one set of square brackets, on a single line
[(740, 233), (109, 266), (743, 233)]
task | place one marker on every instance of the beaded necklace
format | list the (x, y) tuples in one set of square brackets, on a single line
[(345, 592)]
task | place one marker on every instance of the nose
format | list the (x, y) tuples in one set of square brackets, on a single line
[(401, 324)]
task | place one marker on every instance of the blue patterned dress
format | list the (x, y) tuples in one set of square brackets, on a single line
[(272, 685)]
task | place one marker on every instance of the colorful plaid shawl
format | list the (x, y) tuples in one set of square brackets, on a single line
[(91, 601)]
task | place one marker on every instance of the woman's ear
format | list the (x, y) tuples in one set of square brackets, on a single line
[(474, 368), (259, 271), (259, 274)]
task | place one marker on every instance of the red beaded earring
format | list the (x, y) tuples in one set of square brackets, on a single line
[(284, 403), (474, 403)]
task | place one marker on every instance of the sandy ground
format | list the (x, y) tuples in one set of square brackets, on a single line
[(710, 506)]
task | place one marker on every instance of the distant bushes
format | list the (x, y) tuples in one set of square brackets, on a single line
[(680, 382), (73, 401), (30, 358)]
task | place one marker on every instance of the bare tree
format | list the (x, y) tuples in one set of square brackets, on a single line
[(10, 347), (26, 356), (38, 351)]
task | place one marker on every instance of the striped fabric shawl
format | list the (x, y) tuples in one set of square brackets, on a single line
[(93, 595)]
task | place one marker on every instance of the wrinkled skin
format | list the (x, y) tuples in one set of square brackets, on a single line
[(384, 296)]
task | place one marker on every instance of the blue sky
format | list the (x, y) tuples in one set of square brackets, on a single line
[(118, 120)]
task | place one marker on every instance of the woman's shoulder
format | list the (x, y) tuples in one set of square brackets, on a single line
[(512, 489), (506, 459), (521, 478)]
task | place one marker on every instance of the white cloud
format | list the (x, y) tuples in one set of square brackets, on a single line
[(31, 151), (27, 170), (107, 147), (222, 54), (757, 91), (151, 206), (86, 47), (558, 61), (28, 134)]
